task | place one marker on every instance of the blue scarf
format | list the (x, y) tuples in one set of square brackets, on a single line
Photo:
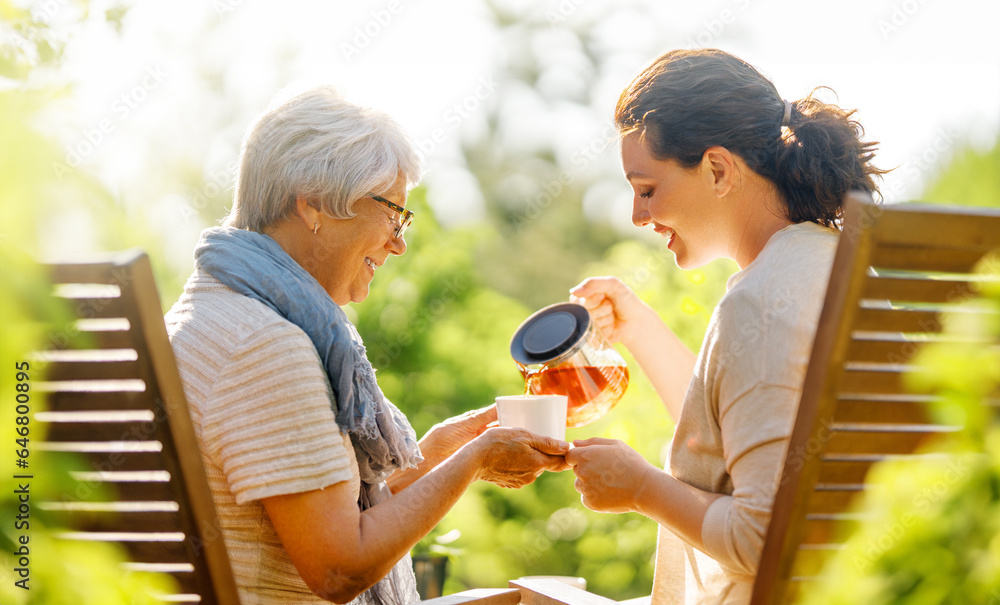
[(255, 266)]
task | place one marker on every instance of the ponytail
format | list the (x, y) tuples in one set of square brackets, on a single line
[(820, 157), (689, 100)]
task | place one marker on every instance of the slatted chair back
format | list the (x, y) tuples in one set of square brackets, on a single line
[(115, 400), (896, 268)]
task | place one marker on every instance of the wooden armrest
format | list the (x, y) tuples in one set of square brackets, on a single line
[(529, 592), (554, 592), (479, 596)]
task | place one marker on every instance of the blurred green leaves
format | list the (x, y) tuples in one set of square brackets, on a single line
[(432, 327), (971, 179), (59, 571)]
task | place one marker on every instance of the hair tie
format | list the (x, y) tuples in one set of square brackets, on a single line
[(786, 120)]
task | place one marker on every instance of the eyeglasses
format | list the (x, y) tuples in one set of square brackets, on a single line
[(405, 216)]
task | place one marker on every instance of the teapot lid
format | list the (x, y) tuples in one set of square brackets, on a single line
[(549, 332)]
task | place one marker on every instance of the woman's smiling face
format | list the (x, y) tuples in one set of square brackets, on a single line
[(678, 202), (354, 248)]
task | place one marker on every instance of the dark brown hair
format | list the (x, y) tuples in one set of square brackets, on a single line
[(689, 100)]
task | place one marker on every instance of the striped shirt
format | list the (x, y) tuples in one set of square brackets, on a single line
[(260, 403)]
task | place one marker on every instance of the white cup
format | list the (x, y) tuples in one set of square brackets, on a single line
[(540, 414)]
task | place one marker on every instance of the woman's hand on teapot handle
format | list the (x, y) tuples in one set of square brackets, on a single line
[(619, 313), (624, 318)]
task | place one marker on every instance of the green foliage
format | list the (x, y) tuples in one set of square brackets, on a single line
[(431, 327), (972, 179), (58, 571), (534, 190)]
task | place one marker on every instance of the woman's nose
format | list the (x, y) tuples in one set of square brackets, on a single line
[(640, 212), (396, 245)]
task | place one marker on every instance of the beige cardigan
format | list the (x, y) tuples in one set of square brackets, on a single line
[(738, 413)]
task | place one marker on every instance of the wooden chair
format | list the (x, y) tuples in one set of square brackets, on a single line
[(896, 268), (115, 400)]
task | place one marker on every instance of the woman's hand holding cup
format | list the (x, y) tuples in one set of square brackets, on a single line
[(446, 438), (515, 457), (609, 474)]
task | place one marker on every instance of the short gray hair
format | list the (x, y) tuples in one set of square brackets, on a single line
[(320, 146)]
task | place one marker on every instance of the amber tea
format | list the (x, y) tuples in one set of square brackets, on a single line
[(590, 390)]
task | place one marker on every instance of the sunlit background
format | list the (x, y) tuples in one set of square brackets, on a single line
[(121, 125), (182, 79)]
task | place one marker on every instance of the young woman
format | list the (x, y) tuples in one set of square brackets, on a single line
[(721, 166)]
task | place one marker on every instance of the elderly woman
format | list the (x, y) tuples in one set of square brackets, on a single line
[(320, 485)]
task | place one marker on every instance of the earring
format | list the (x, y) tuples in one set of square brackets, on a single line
[(315, 227)]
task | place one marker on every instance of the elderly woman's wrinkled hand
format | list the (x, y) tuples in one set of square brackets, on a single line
[(446, 438), (513, 457)]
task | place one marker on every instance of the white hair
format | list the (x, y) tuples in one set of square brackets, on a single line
[(320, 146)]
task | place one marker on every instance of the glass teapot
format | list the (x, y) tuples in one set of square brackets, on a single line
[(560, 351)]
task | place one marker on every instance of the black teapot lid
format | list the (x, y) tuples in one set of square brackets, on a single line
[(549, 332)]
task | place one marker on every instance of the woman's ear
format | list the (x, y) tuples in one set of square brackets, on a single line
[(306, 212), (720, 166)]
